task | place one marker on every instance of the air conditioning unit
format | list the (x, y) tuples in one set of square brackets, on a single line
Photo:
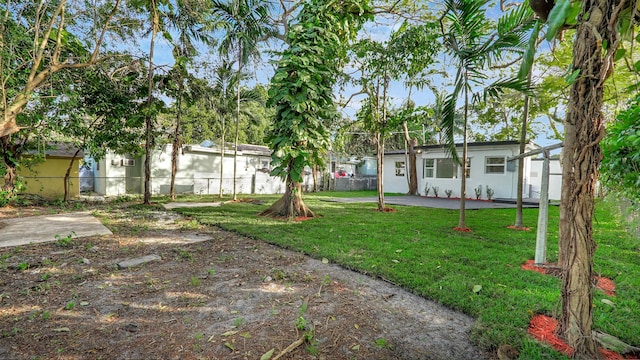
[(115, 162), (128, 162)]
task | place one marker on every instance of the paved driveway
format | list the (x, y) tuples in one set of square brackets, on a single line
[(37, 229), (440, 203)]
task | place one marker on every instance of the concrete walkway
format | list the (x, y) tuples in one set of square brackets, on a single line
[(430, 202), (175, 205), (44, 228)]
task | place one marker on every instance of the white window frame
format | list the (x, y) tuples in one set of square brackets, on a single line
[(495, 166), (425, 168)]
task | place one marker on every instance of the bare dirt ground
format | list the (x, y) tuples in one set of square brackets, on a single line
[(228, 297)]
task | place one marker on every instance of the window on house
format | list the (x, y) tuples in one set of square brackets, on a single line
[(399, 168), (494, 165), (429, 168), (446, 169)]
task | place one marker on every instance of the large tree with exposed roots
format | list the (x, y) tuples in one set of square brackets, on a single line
[(302, 93)]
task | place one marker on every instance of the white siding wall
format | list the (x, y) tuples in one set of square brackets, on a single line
[(555, 179), (393, 183), (504, 185), (198, 172), (109, 179)]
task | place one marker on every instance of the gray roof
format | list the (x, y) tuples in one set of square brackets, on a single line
[(471, 144), (60, 150), (247, 148)]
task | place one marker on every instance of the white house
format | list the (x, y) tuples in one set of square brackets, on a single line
[(198, 171), (486, 165)]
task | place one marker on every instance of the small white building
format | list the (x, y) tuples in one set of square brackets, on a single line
[(198, 171), (487, 166)]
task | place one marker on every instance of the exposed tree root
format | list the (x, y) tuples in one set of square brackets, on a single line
[(290, 348), (290, 205)]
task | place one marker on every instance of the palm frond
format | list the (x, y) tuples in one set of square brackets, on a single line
[(448, 123), (499, 87)]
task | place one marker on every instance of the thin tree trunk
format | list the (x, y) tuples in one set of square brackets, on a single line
[(222, 156), (380, 141), (314, 174), (581, 157), (462, 224), (149, 117), (523, 143), (177, 142), (379, 170), (67, 174), (413, 171), (235, 150)]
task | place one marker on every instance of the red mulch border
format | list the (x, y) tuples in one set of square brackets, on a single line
[(543, 328), (519, 228), (462, 229), (602, 283)]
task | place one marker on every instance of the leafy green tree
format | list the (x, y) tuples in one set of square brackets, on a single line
[(405, 56), (302, 92), (51, 48), (38, 47), (475, 47), (621, 153), (150, 8), (245, 23), (374, 113), (101, 111), (189, 18)]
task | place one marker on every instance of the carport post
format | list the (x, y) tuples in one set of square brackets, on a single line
[(541, 236)]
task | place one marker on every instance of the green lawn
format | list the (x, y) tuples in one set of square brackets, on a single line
[(417, 249)]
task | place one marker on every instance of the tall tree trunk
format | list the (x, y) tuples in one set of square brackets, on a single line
[(379, 171), (177, 142), (413, 171), (462, 222), (523, 144), (149, 117), (222, 157), (380, 139), (235, 148), (581, 157), (314, 174)]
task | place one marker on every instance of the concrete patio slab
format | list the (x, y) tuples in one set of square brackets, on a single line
[(175, 205), (44, 228)]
